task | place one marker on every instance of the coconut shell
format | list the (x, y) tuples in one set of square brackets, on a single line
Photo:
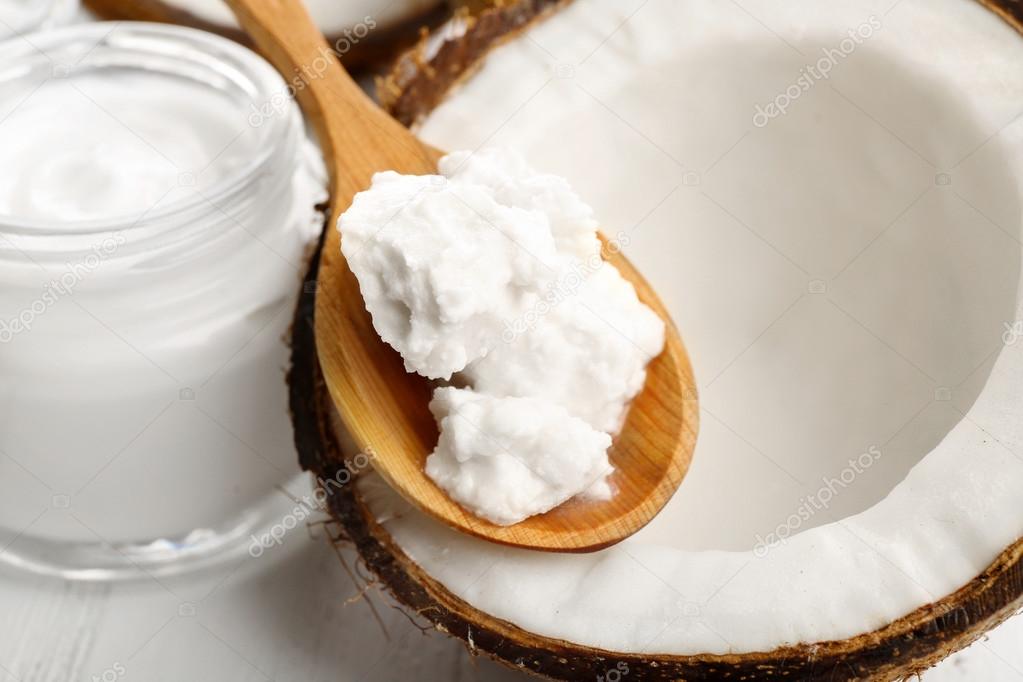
[(905, 647)]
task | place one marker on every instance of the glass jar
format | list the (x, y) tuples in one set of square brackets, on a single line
[(157, 201), (18, 17)]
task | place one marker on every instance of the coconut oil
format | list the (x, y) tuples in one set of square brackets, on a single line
[(491, 273), (151, 241)]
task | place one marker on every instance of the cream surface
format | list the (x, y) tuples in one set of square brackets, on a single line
[(168, 310), (14, 12), (846, 277), (100, 147), (514, 183), (444, 266), (509, 458), (588, 352), (17, 16)]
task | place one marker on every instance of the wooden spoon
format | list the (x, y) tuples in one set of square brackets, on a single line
[(382, 406)]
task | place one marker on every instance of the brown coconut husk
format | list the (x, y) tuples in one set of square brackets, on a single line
[(901, 649)]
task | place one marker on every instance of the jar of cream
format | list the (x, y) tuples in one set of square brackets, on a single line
[(18, 17), (157, 200)]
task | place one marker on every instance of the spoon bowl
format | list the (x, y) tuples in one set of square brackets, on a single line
[(383, 407)]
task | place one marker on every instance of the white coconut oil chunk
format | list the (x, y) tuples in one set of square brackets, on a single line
[(442, 266), (589, 352), (506, 459), (492, 271)]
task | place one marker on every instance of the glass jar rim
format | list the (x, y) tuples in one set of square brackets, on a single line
[(195, 48)]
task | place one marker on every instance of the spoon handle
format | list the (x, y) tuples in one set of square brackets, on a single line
[(357, 137)]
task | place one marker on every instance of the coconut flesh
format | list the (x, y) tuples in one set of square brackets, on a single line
[(847, 279)]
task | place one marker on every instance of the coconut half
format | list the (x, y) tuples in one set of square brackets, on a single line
[(845, 267)]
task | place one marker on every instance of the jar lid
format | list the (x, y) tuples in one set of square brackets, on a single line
[(111, 126)]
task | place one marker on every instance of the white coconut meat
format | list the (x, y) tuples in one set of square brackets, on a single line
[(846, 277), (332, 16)]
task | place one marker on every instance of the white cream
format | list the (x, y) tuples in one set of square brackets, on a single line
[(114, 146), (151, 250), (494, 270), (514, 183), (588, 353), (15, 12), (443, 266), (506, 459), (20, 16)]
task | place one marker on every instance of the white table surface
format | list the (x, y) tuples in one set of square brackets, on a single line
[(292, 614)]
